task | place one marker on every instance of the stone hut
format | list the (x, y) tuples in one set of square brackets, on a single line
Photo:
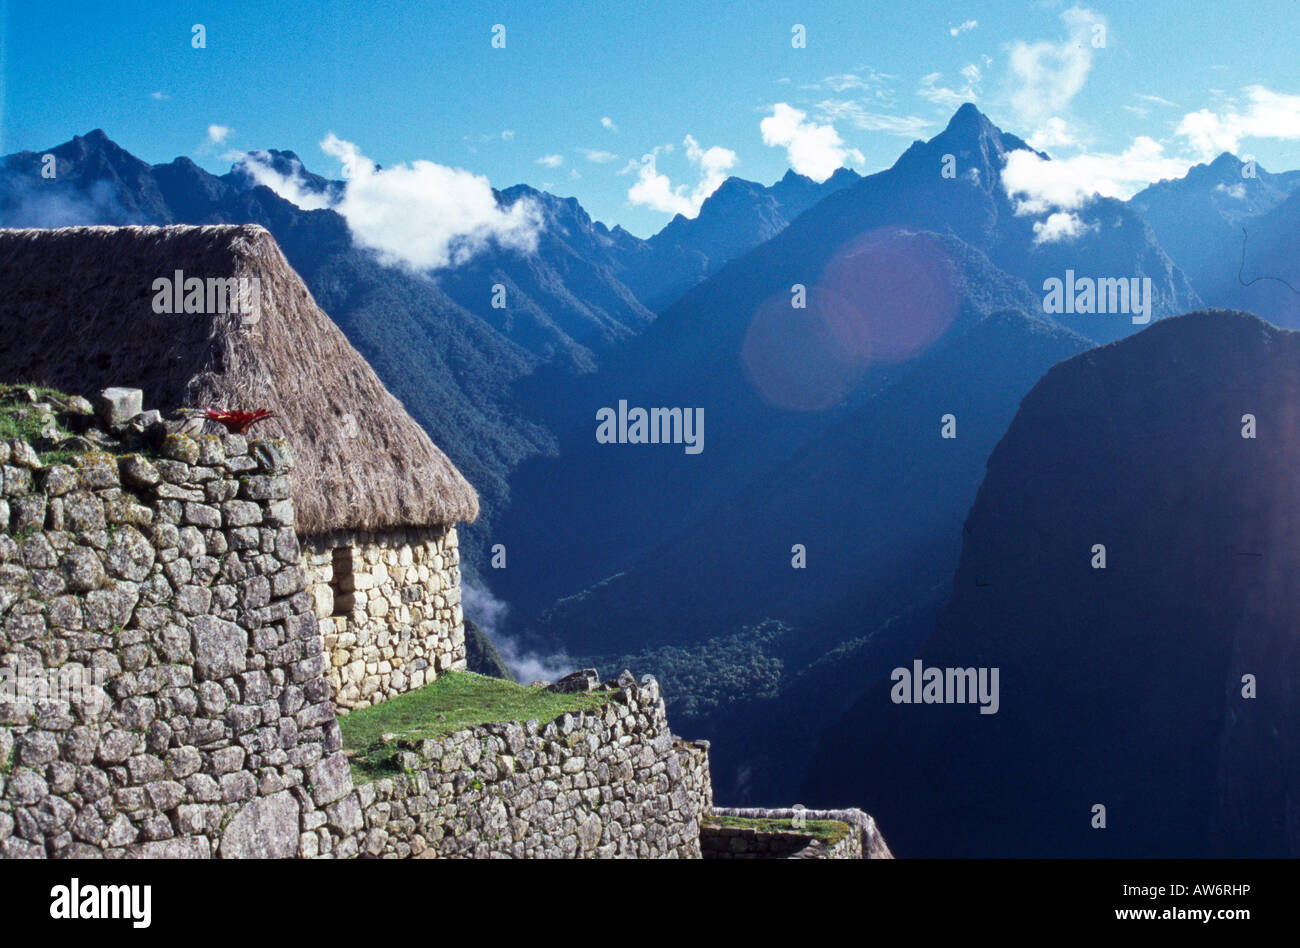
[(214, 316)]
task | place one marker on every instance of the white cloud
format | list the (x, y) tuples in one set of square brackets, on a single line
[(426, 216), (1237, 191), (1267, 114), (655, 189), (865, 79), (1061, 226), (962, 27), (598, 157), (608, 123), (812, 149), (1047, 76), (904, 126), (1053, 133), (159, 96), (1039, 185), (489, 614), (292, 187), (508, 135), (551, 161), (931, 91), (217, 134)]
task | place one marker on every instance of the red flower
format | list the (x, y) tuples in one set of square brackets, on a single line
[(237, 422)]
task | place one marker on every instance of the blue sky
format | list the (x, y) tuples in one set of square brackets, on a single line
[(582, 93)]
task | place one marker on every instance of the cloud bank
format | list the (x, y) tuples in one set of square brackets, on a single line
[(812, 149), (655, 189), (423, 216)]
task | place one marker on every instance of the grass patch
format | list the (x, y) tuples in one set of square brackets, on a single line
[(455, 701), (18, 421), (829, 832)]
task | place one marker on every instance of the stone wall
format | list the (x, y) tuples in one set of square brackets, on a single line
[(164, 690), (613, 781), (734, 842), (869, 845), (389, 609)]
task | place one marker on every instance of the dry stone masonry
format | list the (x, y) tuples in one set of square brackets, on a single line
[(160, 603), (389, 609), (168, 678), (612, 781), (864, 842)]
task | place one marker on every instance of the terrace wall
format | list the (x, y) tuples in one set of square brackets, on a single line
[(609, 782)]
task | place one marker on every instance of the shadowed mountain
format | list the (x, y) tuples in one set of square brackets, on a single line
[(1114, 241), (875, 505), (768, 377), (1120, 686), (771, 376)]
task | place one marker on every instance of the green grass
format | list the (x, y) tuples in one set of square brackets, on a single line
[(27, 426), (829, 832), (455, 701)]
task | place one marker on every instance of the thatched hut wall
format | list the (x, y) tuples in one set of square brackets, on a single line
[(389, 609), (77, 313)]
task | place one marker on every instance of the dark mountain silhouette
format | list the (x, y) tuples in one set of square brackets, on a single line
[(1119, 686)]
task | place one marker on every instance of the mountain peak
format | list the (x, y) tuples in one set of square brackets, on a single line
[(970, 126), (968, 115)]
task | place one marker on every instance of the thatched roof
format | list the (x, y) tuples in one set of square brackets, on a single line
[(76, 313)]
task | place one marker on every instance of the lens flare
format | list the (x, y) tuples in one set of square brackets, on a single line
[(884, 298)]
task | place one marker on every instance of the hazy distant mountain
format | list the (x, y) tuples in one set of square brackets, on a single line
[(768, 377), (1267, 282), (1198, 218), (733, 220), (566, 302), (1120, 686)]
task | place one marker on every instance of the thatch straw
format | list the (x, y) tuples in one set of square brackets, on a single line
[(76, 314)]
